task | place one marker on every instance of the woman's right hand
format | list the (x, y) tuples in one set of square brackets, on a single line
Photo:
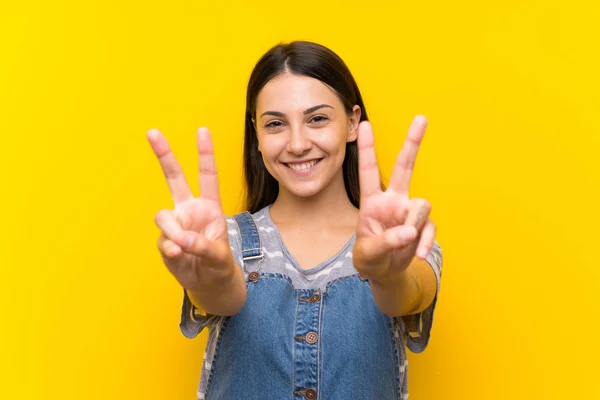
[(194, 242)]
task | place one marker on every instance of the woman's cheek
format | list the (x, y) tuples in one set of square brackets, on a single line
[(269, 159)]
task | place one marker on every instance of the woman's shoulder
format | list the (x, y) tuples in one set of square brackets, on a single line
[(260, 218), (239, 225), (260, 215)]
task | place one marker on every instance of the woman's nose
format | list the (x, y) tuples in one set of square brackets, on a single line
[(299, 142)]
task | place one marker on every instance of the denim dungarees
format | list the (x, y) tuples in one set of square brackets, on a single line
[(289, 343)]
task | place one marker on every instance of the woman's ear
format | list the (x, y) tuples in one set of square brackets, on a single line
[(353, 122)]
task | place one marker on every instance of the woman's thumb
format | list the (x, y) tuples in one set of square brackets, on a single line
[(198, 245), (193, 243), (394, 238)]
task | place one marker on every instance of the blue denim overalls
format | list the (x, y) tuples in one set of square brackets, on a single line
[(289, 343)]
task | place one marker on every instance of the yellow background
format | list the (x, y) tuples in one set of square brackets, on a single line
[(510, 163)]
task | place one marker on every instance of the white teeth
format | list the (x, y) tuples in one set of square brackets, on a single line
[(303, 166)]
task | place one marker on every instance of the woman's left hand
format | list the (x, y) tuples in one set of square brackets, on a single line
[(392, 228)]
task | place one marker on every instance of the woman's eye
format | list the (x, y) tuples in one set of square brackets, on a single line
[(274, 124), (319, 118)]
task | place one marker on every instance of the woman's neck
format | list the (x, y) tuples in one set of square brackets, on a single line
[(330, 207)]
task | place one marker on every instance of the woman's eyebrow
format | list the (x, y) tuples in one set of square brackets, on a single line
[(274, 113), (307, 111), (315, 108)]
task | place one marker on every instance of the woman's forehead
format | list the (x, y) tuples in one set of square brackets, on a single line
[(290, 93)]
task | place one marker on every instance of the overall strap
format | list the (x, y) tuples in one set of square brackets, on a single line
[(251, 249)]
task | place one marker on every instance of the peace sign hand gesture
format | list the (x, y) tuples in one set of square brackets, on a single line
[(390, 225), (193, 242)]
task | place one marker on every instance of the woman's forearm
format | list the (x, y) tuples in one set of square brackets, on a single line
[(409, 292), (226, 297)]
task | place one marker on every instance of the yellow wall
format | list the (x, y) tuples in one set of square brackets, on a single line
[(510, 163)]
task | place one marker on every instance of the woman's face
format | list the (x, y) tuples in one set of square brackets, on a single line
[(302, 130)]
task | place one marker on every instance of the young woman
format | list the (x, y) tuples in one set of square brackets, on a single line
[(318, 289)]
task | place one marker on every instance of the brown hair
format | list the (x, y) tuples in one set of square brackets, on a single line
[(315, 61)]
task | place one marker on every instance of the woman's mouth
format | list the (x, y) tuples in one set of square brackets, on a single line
[(303, 166)]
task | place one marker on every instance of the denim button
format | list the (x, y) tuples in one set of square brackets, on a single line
[(253, 276), (310, 394), (314, 298), (312, 337)]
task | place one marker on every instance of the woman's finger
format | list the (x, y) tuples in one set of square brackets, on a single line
[(207, 174), (405, 162), (375, 247), (211, 251), (368, 171), (399, 236), (168, 224), (427, 240), (180, 190), (418, 213), (167, 247), (400, 208)]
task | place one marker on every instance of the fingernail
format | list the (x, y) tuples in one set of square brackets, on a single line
[(189, 240), (410, 233), (153, 133), (422, 252), (172, 251), (420, 118)]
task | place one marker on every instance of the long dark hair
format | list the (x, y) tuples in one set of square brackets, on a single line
[(315, 61)]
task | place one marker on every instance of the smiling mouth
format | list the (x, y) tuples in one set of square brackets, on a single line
[(303, 166)]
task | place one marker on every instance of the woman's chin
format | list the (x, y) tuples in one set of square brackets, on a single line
[(304, 190)]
